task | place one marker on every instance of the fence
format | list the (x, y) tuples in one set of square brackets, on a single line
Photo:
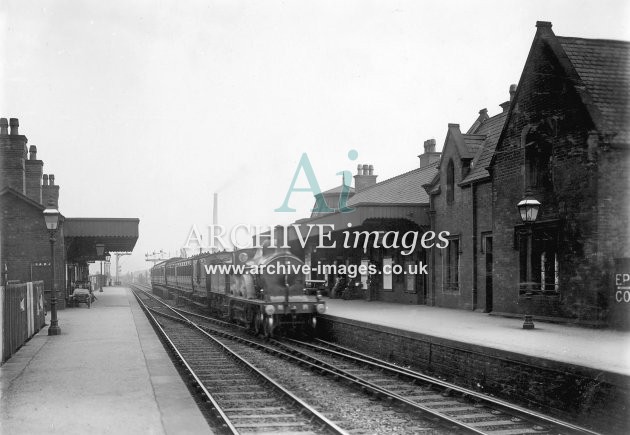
[(22, 309)]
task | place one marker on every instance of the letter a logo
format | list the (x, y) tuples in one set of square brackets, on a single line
[(305, 165)]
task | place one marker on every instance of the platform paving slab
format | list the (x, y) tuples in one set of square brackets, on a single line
[(106, 373), (601, 349)]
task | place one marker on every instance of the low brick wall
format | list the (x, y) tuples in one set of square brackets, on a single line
[(587, 397)]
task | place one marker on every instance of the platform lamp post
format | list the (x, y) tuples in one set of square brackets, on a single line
[(528, 209), (107, 258), (100, 250), (51, 217)]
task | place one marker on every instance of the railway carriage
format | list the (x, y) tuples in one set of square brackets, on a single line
[(158, 276), (261, 288)]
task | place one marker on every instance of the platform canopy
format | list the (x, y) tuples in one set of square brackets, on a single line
[(82, 235)]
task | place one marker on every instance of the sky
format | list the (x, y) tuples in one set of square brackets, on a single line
[(145, 109)]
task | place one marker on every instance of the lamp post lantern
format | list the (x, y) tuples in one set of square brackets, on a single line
[(528, 209), (100, 249), (51, 217)]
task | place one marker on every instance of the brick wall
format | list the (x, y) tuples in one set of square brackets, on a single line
[(483, 210), (13, 151), (33, 179), (575, 196), (25, 243), (613, 228), (591, 398), (456, 218)]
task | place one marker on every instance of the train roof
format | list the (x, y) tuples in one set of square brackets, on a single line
[(252, 252), (160, 264)]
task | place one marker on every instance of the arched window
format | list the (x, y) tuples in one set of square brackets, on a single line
[(450, 182), (537, 173), (537, 157)]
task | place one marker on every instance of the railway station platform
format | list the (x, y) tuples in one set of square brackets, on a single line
[(600, 349), (106, 373)]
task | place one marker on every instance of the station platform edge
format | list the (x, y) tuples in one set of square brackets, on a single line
[(106, 373)]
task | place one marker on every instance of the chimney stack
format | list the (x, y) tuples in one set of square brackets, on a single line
[(506, 106), (50, 191), (14, 124), (429, 156), (13, 154), (34, 169), (365, 177)]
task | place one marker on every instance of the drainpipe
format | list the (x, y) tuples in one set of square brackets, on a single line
[(432, 252), (473, 191)]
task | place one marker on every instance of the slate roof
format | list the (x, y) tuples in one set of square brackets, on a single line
[(491, 130), (474, 142), (330, 198), (338, 189), (402, 189), (604, 67)]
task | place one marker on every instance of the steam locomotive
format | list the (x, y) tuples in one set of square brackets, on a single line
[(262, 288)]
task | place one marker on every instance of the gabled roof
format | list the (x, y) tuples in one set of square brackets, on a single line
[(490, 129), (483, 116), (403, 189), (337, 190), (330, 198), (21, 197), (464, 149), (604, 67), (598, 70), (480, 141), (474, 142)]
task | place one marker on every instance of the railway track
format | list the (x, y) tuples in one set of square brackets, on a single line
[(452, 407), (465, 408), (244, 399)]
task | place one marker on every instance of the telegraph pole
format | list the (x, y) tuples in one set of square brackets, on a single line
[(155, 257)]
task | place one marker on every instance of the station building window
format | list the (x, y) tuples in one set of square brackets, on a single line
[(450, 265), (450, 182), (543, 261), (538, 154)]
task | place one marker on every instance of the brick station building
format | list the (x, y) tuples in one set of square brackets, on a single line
[(461, 203), (395, 204), (566, 141), (563, 137), (25, 192)]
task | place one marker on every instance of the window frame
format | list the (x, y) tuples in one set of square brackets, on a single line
[(545, 258), (454, 247), (450, 182)]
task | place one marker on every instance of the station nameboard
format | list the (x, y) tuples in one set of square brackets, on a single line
[(620, 300)]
